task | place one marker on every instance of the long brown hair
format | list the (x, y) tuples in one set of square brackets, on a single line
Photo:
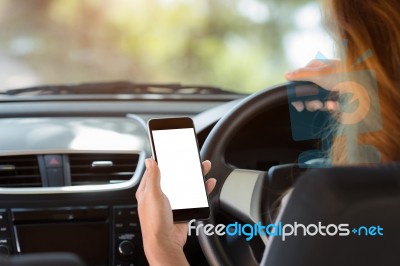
[(375, 26)]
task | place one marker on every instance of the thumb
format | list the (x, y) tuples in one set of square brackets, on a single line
[(152, 175), (210, 185), (324, 74), (314, 69), (307, 74)]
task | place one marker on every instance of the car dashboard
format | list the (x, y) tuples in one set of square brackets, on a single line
[(69, 170), (68, 184)]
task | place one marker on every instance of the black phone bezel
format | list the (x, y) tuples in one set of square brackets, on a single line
[(179, 215)]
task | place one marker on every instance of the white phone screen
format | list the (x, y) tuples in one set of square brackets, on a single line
[(180, 168)]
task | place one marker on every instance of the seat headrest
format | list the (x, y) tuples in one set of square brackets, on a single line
[(361, 197)]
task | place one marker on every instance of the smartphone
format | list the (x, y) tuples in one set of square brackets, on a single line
[(175, 148)]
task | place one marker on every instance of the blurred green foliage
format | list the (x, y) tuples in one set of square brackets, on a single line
[(209, 42)]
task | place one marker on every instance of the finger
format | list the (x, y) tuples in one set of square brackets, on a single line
[(314, 70), (140, 189), (332, 106), (308, 73), (314, 105), (210, 185), (323, 62), (304, 73), (152, 175), (206, 165), (298, 105), (316, 63), (142, 184)]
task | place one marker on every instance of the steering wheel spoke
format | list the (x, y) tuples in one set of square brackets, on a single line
[(241, 195)]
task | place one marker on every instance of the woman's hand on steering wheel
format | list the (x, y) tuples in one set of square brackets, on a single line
[(324, 73)]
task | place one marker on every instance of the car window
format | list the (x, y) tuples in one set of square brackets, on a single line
[(238, 45)]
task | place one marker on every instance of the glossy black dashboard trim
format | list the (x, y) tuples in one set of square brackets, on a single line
[(125, 97), (103, 108)]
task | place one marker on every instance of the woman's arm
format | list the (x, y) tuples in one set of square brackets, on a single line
[(163, 240)]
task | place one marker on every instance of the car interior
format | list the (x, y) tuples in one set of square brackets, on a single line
[(80, 80)]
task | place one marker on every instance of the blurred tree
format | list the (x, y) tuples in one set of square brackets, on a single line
[(235, 44)]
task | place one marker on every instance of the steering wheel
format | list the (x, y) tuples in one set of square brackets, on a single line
[(238, 192)]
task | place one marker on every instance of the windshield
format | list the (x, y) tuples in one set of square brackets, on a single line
[(238, 45)]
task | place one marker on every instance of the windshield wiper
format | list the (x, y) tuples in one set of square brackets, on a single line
[(119, 87)]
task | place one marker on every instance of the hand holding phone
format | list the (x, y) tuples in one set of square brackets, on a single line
[(175, 148), (162, 238)]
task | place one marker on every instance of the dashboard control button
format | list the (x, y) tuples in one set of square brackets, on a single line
[(53, 160), (132, 212), (124, 264), (3, 218), (5, 241), (127, 236), (133, 226), (55, 176), (123, 214), (4, 231), (120, 227), (118, 213), (4, 250), (126, 248)]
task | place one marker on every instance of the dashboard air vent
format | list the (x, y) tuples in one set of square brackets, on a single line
[(94, 169), (19, 171)]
